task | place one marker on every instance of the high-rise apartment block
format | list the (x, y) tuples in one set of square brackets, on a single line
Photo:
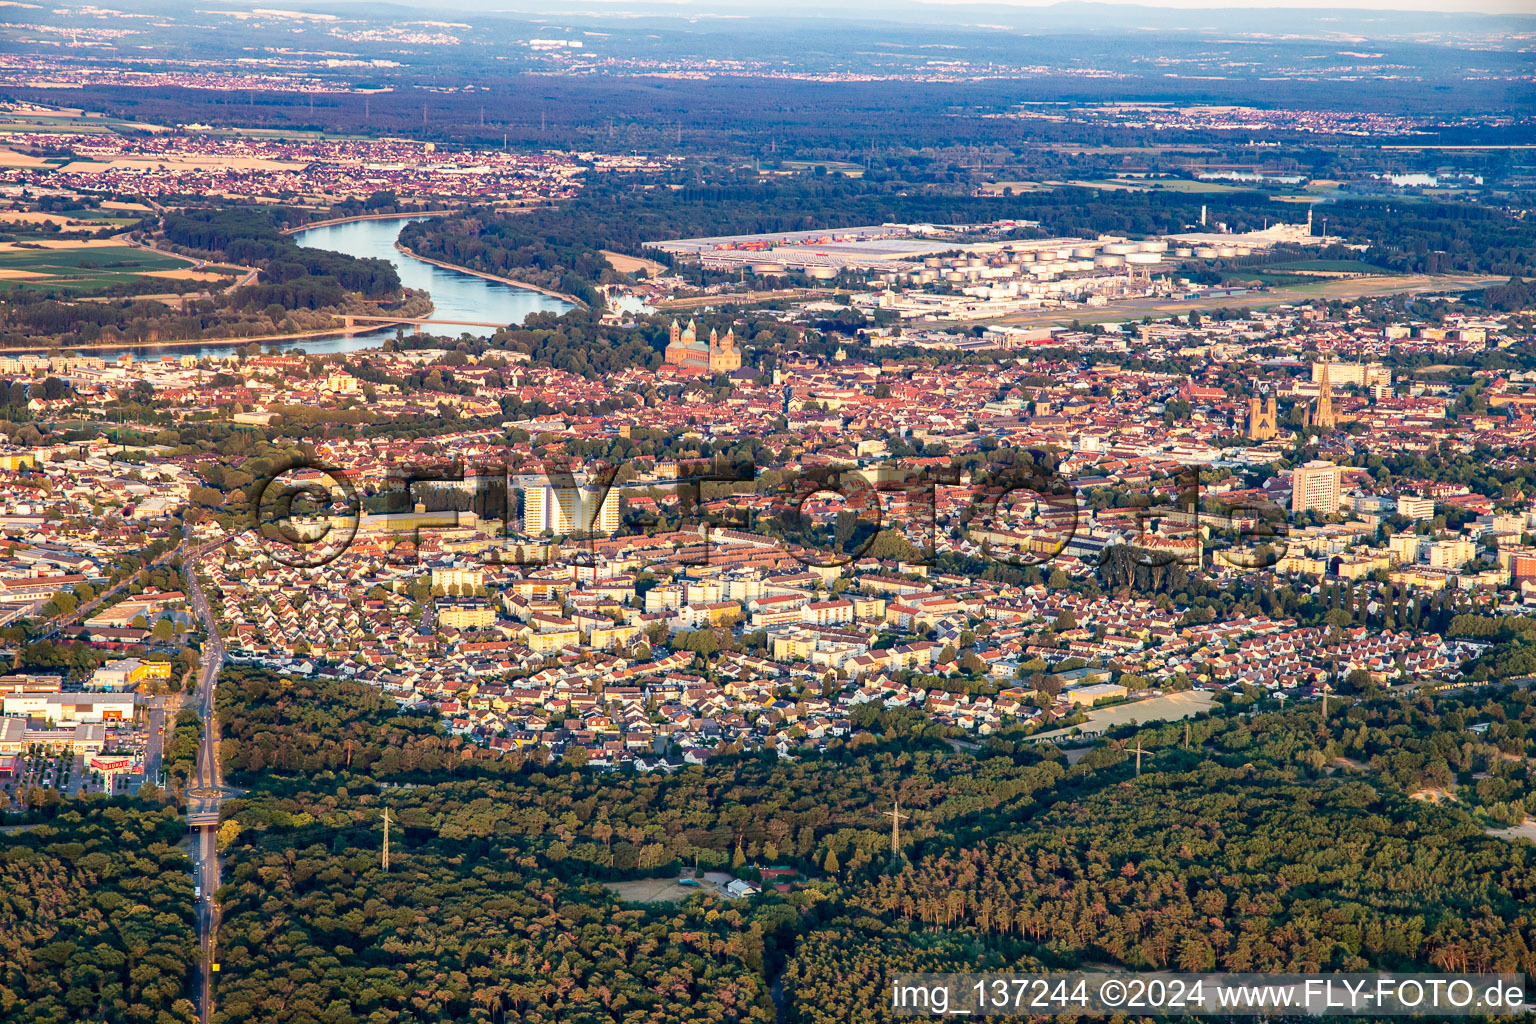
[(561, 510), (1316, 486)]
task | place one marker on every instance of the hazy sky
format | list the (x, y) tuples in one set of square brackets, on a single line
[(1450, 6), (893, 9)]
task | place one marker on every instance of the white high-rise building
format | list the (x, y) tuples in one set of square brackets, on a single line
[(562, 510), (1316, 486)]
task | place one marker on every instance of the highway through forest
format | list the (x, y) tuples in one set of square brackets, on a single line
[(206, 793)]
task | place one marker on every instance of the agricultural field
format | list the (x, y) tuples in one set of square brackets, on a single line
[(1323, 268), (833, 167), (632, 264), (998, 188), (30, 223), (1181, 185), (85, 268), (72, 120)]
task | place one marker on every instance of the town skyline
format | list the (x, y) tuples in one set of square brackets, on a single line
[(684, 513)]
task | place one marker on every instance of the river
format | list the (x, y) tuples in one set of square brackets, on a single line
[(455, 295)]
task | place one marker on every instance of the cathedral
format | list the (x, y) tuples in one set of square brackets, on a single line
[(1263, 422), (685, 350)]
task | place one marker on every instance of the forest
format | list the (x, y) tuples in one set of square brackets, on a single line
[(96, 915), (1277, 841), (294, 276), (767, 117), (526, 247)]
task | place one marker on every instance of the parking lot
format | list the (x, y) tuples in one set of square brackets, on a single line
[(69, 773)]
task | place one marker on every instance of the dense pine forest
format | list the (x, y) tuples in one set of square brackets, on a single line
[(96, 916), (1267, 841)]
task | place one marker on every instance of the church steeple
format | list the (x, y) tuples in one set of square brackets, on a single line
[(1323, 418)]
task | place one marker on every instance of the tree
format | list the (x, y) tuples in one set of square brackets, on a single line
[(228, 832)]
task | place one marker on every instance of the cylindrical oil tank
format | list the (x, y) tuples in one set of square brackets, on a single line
[(821, 273), (1206, 252), (1183, 254), (1109, 260), (1143, 259)]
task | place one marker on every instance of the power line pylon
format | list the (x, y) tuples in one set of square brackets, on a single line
[(896, 816)]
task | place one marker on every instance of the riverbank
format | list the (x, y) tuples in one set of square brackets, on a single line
[(96, 346), (512, 281), (356, 218), (359, 217)]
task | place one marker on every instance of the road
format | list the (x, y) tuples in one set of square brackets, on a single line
[(206, 793), (247, 276), (56, 625)]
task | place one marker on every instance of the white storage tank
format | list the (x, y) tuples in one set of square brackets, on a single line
[(821, 273), (1154, 246), (1226, 250), (1143, 259), (1183, 254), (1120, 248), (1109, 261), (1205, 252), (767, 267), (1082, 252)]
